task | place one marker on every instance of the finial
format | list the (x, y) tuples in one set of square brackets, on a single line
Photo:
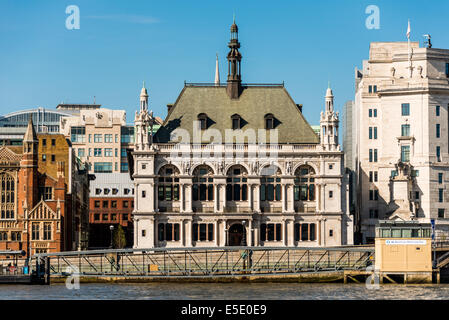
[(233, 18), (143, 84), (328, 84)]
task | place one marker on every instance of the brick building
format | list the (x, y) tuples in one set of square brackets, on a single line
[(42, 200)]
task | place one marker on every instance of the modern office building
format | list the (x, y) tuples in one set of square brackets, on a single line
[(400, 150), (238, 164)]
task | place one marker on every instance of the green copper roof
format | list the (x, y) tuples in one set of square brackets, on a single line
[(253, 104)]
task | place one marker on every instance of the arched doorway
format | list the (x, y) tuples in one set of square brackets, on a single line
[(236, 232)]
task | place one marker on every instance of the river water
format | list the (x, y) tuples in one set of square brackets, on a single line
[(214, 291)]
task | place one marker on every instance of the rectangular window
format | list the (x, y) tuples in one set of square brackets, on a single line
[(405, 130), (35, 231), (438, 154), (90, 138), (447, 70), (394, 173), (375, 89), (417, 195), (44, 142), (123, 152), (441, 213), (331, 194), (97, 204), (437, 111), (53, 158), (375, 113), (78, 134), (375, 176), (370, 89), (53, 142), (270, 232), (108, 138), (81, 152), (370, 155), (98, 138), (370, 134), (370, 176), (105, 203), (375, 155), (370, 113), (375, 133), (437, 130), (405, 153), (405, 109), (116, 138), (47, 231), (440, 177), (440, 195), (107, 152), (103, 167), (97, 152)]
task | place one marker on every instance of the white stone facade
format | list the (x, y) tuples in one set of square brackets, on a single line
[(208, 209), (401, 115)]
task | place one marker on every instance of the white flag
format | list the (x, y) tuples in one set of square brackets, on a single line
[(408, 30)]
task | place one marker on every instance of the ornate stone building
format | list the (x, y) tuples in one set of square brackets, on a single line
[(238, 164)]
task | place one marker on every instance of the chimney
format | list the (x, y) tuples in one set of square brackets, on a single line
[(169, 107)]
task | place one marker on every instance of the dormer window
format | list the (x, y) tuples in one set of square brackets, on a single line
[(269, 121), (202, 118), (236, 122)]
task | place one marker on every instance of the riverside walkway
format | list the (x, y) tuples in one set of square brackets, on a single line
[(165, 263)]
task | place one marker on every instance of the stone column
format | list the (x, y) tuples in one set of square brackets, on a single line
[(188, 198), (257, 198), (249, 238), (291, 198), (290, 232), (188, 233), (181, 198), (216, 198), (256, 226), (283, 197), (216, 234), (136, 233), (222, 192)]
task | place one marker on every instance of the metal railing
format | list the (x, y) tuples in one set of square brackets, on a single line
[(206, 262)]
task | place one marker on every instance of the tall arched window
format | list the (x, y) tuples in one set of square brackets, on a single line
[(270, 184), (237, 184), (305, 183), (168, 183), (7, 200), (203, 184)]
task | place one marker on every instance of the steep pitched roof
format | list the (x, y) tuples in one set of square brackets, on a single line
[(253, 104), (30, 134), (7, 154)]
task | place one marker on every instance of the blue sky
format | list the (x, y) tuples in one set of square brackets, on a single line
[(122, 43)]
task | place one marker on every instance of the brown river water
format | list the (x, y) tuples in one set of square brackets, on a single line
[(232, 291)]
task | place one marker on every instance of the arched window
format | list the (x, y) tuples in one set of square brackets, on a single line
[(236, 184), (202, 118), (304, 183), (236, 122), (203, 184), (168, 183), (270, 184), (269, 121), (7, 200)]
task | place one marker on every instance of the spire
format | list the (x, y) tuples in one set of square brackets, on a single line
[(329, 99), (143, 98), (234, 66), (217, 73), (30, 134)]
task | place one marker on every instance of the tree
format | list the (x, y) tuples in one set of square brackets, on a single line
[(119, 238)]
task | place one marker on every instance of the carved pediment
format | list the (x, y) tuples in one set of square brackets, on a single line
[(42, 212)]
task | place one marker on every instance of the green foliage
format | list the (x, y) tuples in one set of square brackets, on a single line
[(119, 238)]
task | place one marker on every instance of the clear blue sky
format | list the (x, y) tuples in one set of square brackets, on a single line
[(121, 43)]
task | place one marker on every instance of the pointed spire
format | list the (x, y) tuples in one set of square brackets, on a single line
[(143, 98), (30, 134), (217, 73)]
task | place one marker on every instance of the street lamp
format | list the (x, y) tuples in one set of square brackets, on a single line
[(111, 227), (244, 234)]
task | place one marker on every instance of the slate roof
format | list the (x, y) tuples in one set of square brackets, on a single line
[(253, 104)]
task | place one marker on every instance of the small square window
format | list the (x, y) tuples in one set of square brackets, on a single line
[(144, 233), (440, 213)]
